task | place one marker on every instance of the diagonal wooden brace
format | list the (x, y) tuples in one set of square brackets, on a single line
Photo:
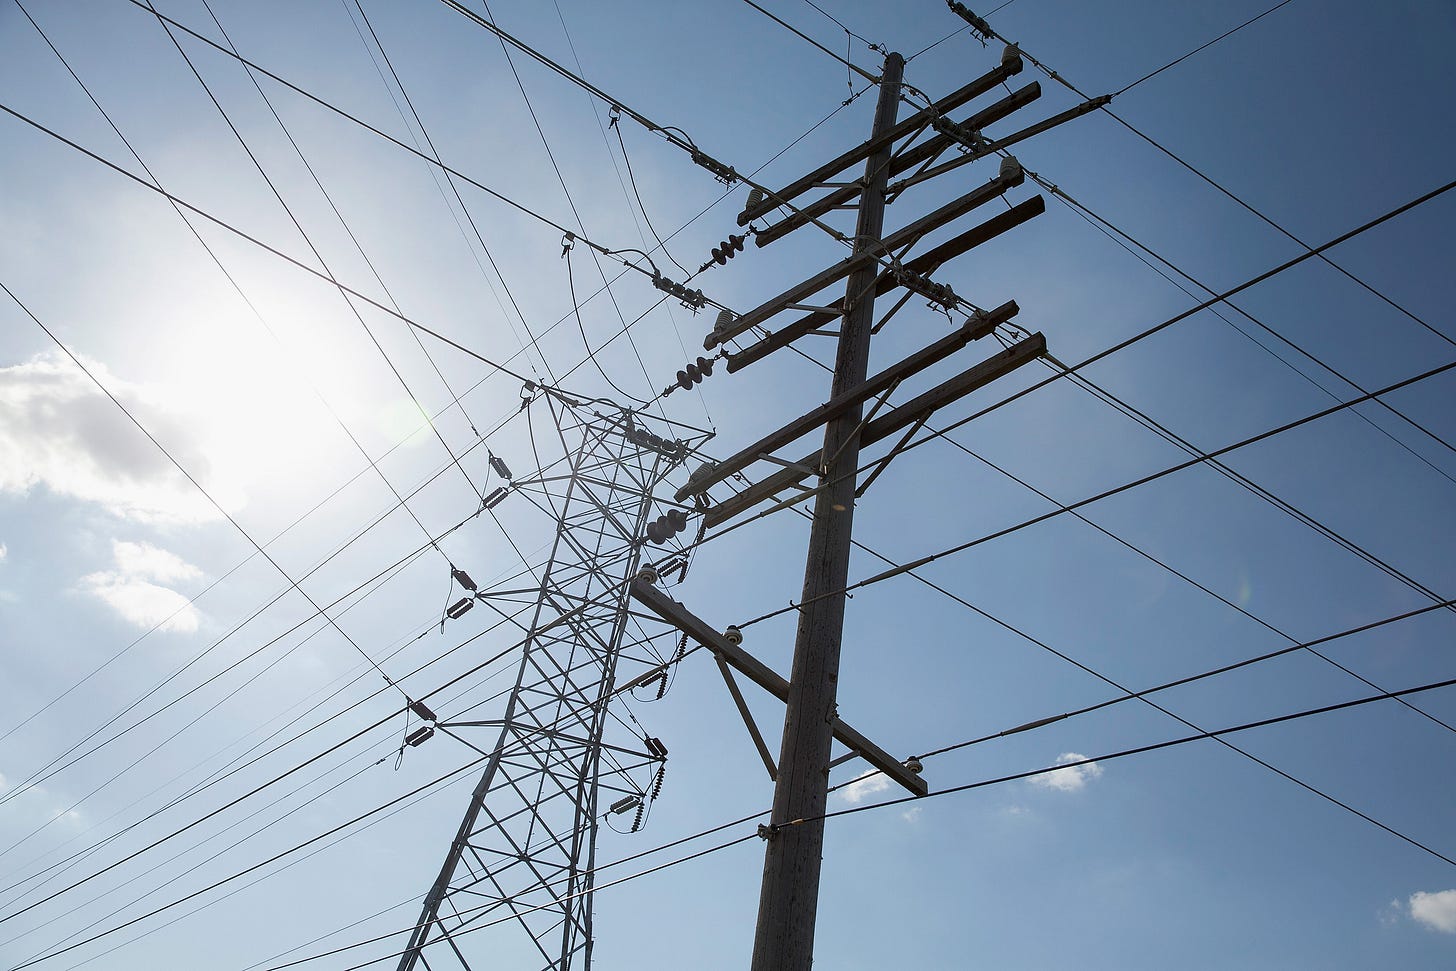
[(765, 677)]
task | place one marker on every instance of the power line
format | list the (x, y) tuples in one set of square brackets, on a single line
[(277, 194), (576, 214), (1053, 75), (1190, 679), (1196, 460), (1132, 244), (293, 585), (1201, 47), (1213, 734), (449, 178), (873, 79)]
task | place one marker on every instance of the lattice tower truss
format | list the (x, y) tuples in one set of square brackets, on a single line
[(563, 759)]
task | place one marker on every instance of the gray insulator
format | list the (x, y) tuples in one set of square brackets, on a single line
[(1010, 54), (733, 635), (1010, 169), (647, 575), (755, 196)]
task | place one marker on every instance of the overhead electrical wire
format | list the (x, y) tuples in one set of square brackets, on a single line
[(1214, 734), (449, 178), (318, 255), (231, 279), (1197, 460), (872, 78), (1045, 720), (661, 244), (156, 843), (163, 192), (1224, 190), (867, 807), (182, 469), (1201, 47)]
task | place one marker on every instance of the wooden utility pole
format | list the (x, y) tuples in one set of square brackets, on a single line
[(788, 903)]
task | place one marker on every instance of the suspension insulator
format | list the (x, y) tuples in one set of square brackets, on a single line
[(626, 804), (727, 249), (419, 736), (666, 526), (501, 469), (695, 373), (463, 578), (494, 499), (422, 710), (459, 608)]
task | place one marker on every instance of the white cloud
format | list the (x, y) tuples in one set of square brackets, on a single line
[(59, 431), (3, 552), (148, 562), (912, 814), (1436, 911), (131, 592), (863, 786), (1070, 779)]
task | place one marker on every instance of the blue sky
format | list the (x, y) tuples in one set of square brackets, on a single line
[(1321, 116)]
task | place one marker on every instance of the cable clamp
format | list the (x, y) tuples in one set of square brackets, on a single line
[(568, 241), (767, 831)]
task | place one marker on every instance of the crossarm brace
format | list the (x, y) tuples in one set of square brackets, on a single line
[(768, 679)]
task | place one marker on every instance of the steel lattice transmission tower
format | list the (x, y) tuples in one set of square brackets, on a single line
[(524, 853)]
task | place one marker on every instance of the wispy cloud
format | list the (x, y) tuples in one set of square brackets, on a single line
[(863, 786), (1436, 911), (135, 588), (60, 432), (1070, 779), (3, 552)]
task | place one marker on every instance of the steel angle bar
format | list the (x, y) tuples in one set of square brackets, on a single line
[(1013, 357), (529, 832)]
